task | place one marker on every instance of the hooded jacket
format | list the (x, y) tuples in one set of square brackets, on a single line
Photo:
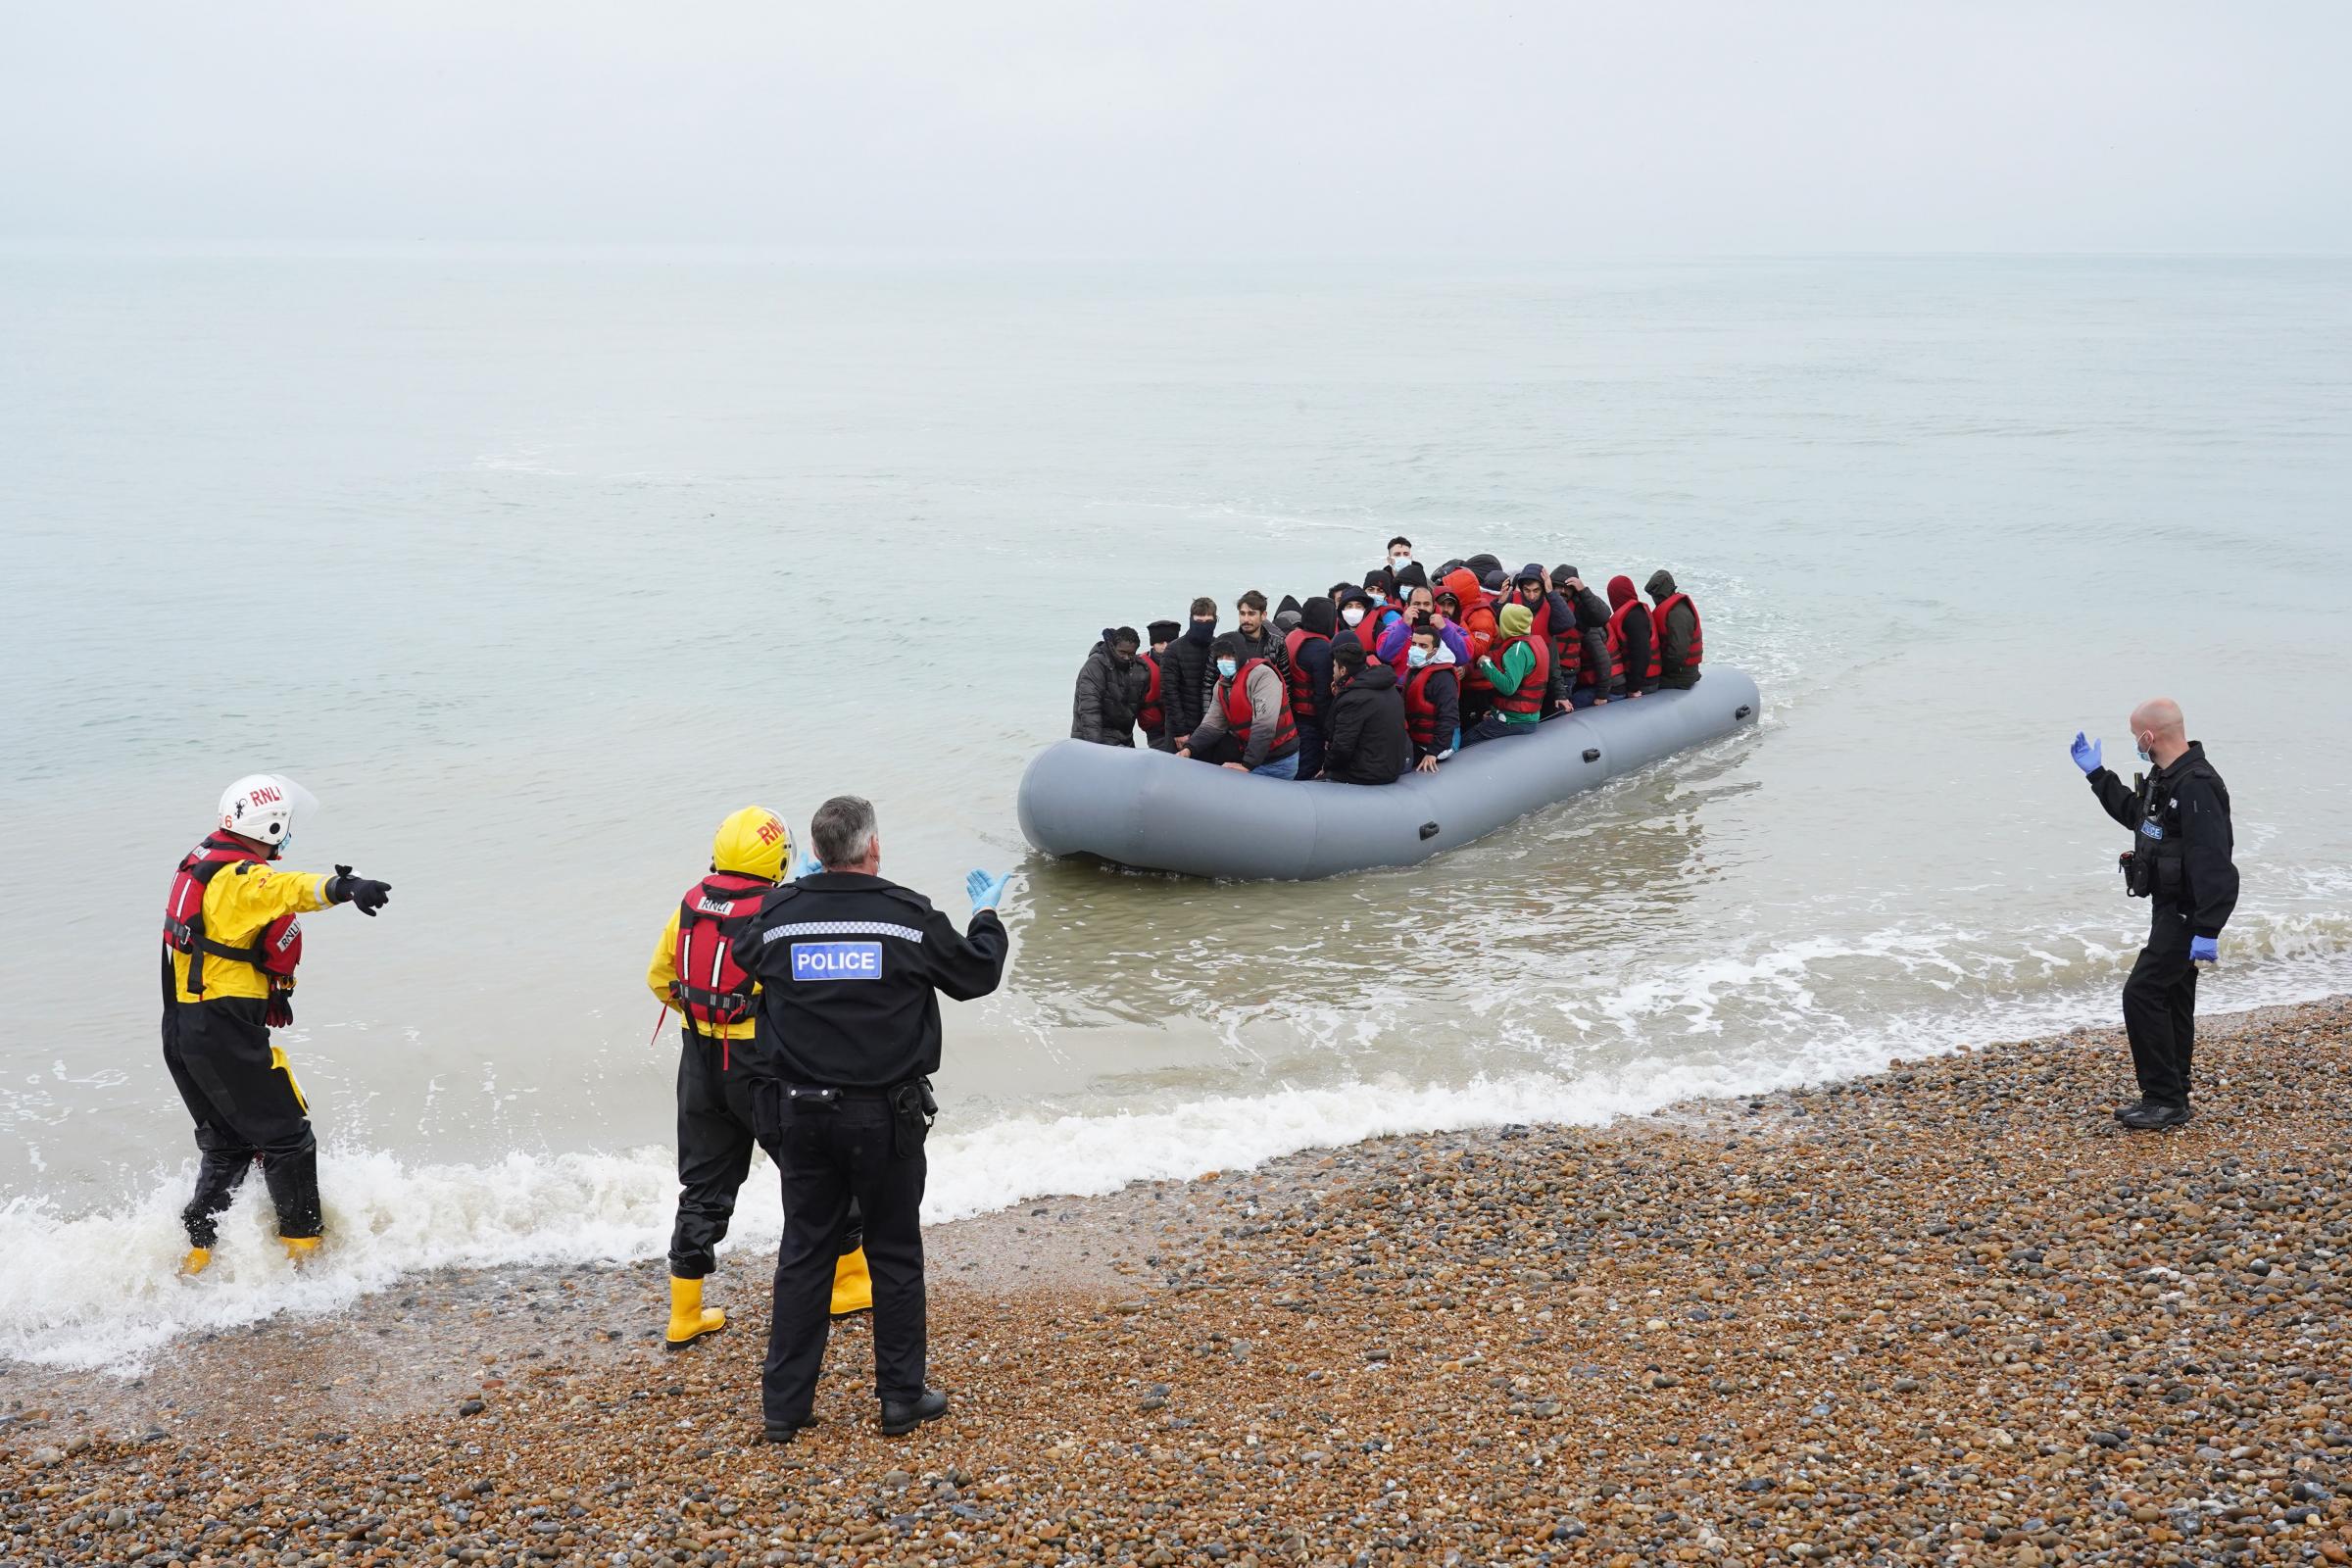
[(1367, 742), (1478, 620), (1593, 633), (1186, 674), (1108, 697), (1633, 634), (1673, 633), (1314, 662), (1444, 691), (1397, 639)]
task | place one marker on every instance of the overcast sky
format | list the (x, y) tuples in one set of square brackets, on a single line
[(1200, 127)]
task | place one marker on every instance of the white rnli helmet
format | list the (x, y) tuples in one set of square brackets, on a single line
[(262, 805)]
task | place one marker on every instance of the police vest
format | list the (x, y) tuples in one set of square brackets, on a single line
[(710, 990), (1303, 689), (1529, 698), (1238, 715), (275, 951), (1657, 629), (2159, 865)]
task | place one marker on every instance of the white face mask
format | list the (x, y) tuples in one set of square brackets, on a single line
[(1226, 668), (1353, 615), (1418, 657), (1399, 561)]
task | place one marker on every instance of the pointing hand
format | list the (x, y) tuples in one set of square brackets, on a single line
[(986, 891), (367, 895), (2086, 753), (2204, 950)]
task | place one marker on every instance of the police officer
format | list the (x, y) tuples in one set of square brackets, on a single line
[(2178, 860), (850, 968), (231, 940)]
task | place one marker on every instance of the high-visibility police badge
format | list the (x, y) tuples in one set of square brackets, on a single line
[(836, 960)]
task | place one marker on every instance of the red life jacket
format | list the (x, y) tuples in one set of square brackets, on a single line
[(1238, 715), (1529, 698), (275, 951), (709, 989), (1617, 641), (1152, 716), (1303, 689), (1657, 628), (1420, 711)]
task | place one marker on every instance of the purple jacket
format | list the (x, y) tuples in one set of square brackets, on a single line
[(1393, 643)]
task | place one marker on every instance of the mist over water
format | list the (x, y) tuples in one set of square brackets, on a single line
[(535, 568)]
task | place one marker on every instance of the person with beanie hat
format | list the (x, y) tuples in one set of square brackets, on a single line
[(1152, 715), (1676, 632), (1593, 686), (1112, 687), (1308, 648), (1632, 653), (1286, 616), (1410, 578), (1519, 673)]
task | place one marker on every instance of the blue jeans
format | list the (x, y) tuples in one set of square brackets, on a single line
[(1288, 767), (1309, 760), (1492, 729), (1582, 695)]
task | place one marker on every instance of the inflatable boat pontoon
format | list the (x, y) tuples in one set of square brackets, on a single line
[(1161, 813)]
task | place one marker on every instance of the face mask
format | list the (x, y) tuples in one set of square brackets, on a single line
[(2143, 753), (1399, 562), (1202, 630), (1418, 657), (1226, 668), (1353, 615), (1378, 596)]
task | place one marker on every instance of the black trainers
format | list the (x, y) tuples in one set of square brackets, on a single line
[(788, 1432), (900, 1419), (2125, 1114), (2151, 1117)]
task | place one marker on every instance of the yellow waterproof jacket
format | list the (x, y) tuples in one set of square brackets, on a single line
[(664, 969), (239, 901)]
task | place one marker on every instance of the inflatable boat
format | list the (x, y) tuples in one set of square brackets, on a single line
[(1162, 813)]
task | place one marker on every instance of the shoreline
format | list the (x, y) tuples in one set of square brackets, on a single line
[(1943, 1312)]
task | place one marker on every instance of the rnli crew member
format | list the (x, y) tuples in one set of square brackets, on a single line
[(695, 975), (1111, 686), (1519, 670), (850, 968), (1682, 644), (2179, 861), (1308, 649), (231, 942), (1185, 670), (1248, 726), (1153, 715), (1431, 698)]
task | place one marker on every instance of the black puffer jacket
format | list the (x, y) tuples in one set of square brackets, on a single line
[(1187, 674), (1108, 697), (1368, 743)]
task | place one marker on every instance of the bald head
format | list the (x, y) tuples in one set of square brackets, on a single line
[(2160, 731)]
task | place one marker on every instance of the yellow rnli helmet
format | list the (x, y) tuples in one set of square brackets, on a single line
[(754, 842)]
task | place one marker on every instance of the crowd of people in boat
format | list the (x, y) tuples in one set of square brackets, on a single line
[(1365, 683)]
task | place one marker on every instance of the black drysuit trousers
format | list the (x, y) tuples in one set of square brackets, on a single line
[(246, 1108), (716, 1135), (2160, 1009), (834, 1155)]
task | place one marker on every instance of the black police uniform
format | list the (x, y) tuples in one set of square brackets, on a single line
[(2179, 860), (850, 968)]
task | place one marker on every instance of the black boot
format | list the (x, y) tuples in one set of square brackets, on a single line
[(785, 1434), (900, 1419), (2125, 1114), (2151, 1117)]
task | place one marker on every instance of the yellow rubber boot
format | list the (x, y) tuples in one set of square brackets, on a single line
[(199, 1259), (299, 1249), (689, 1320), (852, 1287)]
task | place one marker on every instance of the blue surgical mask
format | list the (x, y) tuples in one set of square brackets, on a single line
[(1378, 596), (1418, 657), (2145, 754), (1227, 667)]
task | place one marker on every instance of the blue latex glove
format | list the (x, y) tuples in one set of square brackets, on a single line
[(985, 889), (2086, 753), (806, 865), (2204, 950)]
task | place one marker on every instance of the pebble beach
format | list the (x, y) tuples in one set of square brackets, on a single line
[(1947, 1313)]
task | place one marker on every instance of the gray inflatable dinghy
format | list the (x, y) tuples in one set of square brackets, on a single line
[(1166, 814)]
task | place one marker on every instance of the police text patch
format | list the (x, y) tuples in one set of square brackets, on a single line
[(837, 960)]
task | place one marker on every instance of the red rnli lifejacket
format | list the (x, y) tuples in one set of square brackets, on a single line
[(1303, 689), (1529, 698), (1152, 715), (1657, 628), (275, 951), (1420, 710), (1238, 715), (1617, 641), (710, 990)]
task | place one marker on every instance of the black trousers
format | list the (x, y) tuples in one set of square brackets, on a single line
[(2160, 1010), (716, 1135), (832, 1155), (246, 1108)]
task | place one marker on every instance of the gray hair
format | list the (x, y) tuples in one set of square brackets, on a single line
[(843, 830)]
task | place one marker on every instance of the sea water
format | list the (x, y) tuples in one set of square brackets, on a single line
[(534, 566)]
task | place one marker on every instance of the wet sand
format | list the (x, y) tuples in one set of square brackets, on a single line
[(1948, 1313)]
